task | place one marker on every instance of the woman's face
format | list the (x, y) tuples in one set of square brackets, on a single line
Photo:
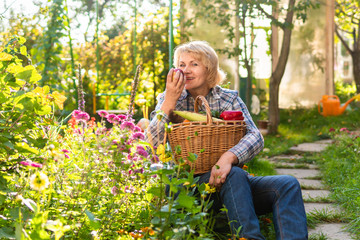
[(196, 74)]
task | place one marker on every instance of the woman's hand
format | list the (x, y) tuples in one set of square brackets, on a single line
[(221, 169), (175, 84)]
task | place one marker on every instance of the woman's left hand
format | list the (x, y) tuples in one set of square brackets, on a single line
[(221, 169)]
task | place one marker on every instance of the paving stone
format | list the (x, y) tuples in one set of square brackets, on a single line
[(309, 194), (327, 207), (286, 157), (317, 146), (294, 165), (311, 183), (298, 173), (333, 231)]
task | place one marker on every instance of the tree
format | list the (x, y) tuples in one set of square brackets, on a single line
[(286, 25), (347, 26), (236, 18)]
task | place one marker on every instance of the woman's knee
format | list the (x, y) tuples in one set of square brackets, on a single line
[(238, 174), (290, 182)]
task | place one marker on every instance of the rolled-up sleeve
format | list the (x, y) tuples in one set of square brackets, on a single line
[(253, 142), (154, 134)]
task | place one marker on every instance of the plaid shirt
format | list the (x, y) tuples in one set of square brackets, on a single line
[(219, 99)]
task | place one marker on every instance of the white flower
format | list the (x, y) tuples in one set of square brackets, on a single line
[(39, 181)]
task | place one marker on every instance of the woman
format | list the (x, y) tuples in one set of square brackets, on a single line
[(244, 196)]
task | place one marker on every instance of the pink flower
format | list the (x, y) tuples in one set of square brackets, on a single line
[(38, 165), (137, 129), (114, 190), (127, 125), (31, 164), (65, 151), (25, 163), (110, 117), (129, 189), (76, 113), (116, 120), (121, 116), (103, 113), (344, 130), (138, 136), (67, 156), (331, 130), (83, 117)]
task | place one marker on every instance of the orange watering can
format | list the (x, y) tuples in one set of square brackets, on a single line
[(331, 105)]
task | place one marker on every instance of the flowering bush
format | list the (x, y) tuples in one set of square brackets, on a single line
[(84, 180), (101, 183)]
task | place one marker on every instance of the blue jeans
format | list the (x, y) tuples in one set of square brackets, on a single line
[(245, 197)]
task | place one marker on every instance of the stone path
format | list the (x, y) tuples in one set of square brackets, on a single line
[(313, 190)]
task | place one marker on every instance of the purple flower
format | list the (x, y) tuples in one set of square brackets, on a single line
[(127, 125), (110, 117), (331, 130), (138, 136), (67, 156), (103, 113), (141, 151), (140, 170), (65, 151)]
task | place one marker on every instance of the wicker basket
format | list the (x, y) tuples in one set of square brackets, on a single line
[(209, 140)]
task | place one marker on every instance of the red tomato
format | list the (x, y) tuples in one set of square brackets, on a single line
[(232, 115)]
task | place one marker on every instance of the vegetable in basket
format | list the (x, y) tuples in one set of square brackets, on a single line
[(232, 115), (192, 116)]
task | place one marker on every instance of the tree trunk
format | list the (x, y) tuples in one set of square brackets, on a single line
[(277, 74), (274, 114), (182, 21), (236, 46), (356, 69)]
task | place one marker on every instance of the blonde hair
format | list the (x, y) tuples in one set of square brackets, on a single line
[(207, 55)]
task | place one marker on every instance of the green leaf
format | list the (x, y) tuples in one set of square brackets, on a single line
[(42, 110), (192, 157), (24, 147), (8, 144), (155, 191), (28, 74), (30, 204), (6, 232), (185, 200), (155, 220), (93, 222)]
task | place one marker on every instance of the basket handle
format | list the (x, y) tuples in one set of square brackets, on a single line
[(198, 101)]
